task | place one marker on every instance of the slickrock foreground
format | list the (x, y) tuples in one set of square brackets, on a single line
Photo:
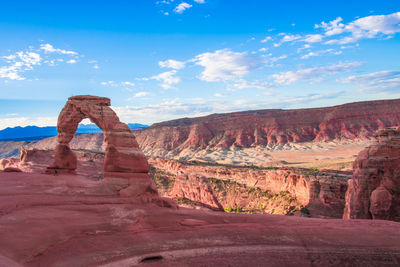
[(68, 220), (374, 191)]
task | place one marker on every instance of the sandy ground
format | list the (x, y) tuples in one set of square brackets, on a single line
[(330, 155)]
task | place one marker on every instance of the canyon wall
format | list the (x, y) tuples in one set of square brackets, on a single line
[(321, 192), (270, 127)]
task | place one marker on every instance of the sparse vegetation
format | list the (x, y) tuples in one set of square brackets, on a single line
[(183, 200), (314, 171), (258, 200), (164, 181), (305, 212), (230, 192)]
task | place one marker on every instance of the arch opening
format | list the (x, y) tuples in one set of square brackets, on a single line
[(123, 157)]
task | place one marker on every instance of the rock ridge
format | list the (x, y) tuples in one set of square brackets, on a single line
[(270, 127)]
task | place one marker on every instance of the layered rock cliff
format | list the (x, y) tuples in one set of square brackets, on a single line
[(322, 192), (374, 191), (268, 128)]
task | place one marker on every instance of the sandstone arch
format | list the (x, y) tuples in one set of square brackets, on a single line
[(123, 158)]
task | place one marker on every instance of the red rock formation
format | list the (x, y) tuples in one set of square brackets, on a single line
[(270, 127), (90, 164), (12, 169), (322, 192), (72, 221), (123, 158), (9, 163), (374, 191), (195, 188)]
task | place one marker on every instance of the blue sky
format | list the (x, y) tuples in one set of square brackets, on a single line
[(165, 59)]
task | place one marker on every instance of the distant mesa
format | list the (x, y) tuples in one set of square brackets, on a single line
[(269, 128)]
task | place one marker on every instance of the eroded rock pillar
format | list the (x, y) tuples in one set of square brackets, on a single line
[(374, 191)]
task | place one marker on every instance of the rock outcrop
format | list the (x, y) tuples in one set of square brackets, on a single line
[(195, 188), (374, 191), (123, 157)]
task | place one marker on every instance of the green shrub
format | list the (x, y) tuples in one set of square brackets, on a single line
[(305, 211), (228, 209)]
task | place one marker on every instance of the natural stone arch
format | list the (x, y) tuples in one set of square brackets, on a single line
[(123, 157)]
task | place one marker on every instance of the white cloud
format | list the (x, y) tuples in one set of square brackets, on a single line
[(287, 38), (29, 58), (275, 59), (321, 53), (376, 81), (173, 64), (182, 7), (167, 2), (362, 28), (200, 1), (141, 94), (314, 74), (19, 62), (27, 121), (266, 39), (167, 79), (48, 48), (243, 84), (22, 61), (118, 84), (305, 99), (11, 73), (313, 38), (96, 66), (290, 38), (219, 95), (128, 83), (305, 47), (224, 65), (333, 27)]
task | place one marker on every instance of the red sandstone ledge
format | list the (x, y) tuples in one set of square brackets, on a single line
[(69, 220)]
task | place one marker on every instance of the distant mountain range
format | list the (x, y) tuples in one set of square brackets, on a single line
[(32, 133)]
